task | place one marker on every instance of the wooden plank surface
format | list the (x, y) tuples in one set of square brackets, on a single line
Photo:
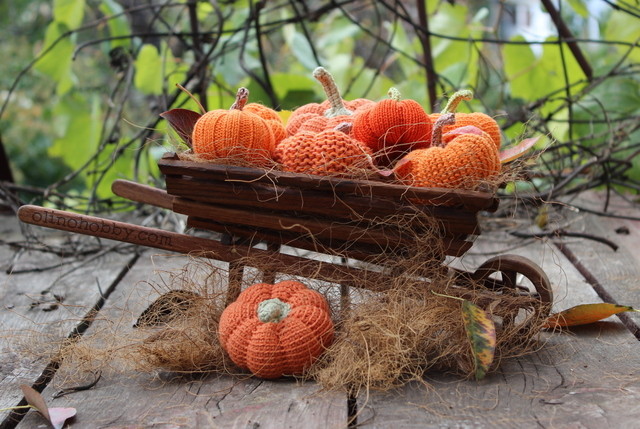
[(166, 400), (616, 272), (589, 378), (44, 298)]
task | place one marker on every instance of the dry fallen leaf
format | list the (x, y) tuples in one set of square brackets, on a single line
[(585, 314), (55, 416), (515, 152)]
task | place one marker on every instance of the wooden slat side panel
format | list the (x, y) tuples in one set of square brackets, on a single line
[(323, 204), (472, 200)]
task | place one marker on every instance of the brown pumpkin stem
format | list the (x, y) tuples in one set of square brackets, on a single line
[(272, 310), (394, 94), (344, 127), (332, 92), (436, 136), (456, 98), (242, 96)]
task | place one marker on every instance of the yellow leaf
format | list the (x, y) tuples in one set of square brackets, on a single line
[(585, 314), (481, 332)]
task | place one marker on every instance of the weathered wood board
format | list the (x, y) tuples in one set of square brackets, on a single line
[(41, 307), (588, 378), (165, 401)]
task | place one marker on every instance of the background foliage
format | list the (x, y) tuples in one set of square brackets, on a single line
[(87, 79)]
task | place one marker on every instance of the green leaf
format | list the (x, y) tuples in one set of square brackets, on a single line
[(56, 63), (148, 78), (299, 46), (481, 332), (118, 24), (624, 27), (80, 127), (579, 7), (69, 12)]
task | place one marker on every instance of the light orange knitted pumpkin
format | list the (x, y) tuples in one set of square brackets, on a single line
[(333, 107), (329, 152), (276, 329), (485, 122), (468, 159), (393, 127), (234, 134), (272, 118)]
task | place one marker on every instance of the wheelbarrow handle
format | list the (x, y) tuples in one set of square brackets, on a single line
[(120, 231), (142, 193)]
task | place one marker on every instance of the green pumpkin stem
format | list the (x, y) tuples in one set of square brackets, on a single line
[(273, 310), (436, 135), (242, 96), (332, 92), (394, 94), (456, 98)]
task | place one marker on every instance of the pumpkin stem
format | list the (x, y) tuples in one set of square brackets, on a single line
[(456, 98), (332, 92), (273, 310), (242, 96), (436, 136), (344, 127), (394, 94)]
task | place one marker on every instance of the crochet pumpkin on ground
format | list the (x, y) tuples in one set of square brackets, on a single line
[(276, 329)]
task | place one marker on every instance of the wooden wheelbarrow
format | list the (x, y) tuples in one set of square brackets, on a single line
[(331, 215)]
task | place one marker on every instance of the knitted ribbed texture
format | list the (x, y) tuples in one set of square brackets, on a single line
[(233, 134), (330, 152), (391, 128), (274, 349), (314, 110), (320, 123), (272, 118), (485, 122), (465, 162)]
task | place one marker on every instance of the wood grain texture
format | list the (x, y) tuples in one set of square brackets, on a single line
[(40, 307), (589, 378), (129, 399), (472, 200), (616, 274)]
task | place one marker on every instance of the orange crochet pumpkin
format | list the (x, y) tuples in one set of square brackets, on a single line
[(271, 117), (485, 122), (234, 134), (276, 329), (333, 107), (393, 127), (468, 159), (329, 152)]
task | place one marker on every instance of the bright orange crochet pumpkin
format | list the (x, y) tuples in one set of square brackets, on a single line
[(393, 127), (485, 122), (271, 117), (468, 159), (329, 152), (333, 107), (234, 134), (276, 329)]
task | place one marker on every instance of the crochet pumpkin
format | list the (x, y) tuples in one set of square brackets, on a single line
[(393, 127), (329, 152), (234, 134), (276, 329), (469, 157), (477, 119), (327, 114), (271, 117)]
